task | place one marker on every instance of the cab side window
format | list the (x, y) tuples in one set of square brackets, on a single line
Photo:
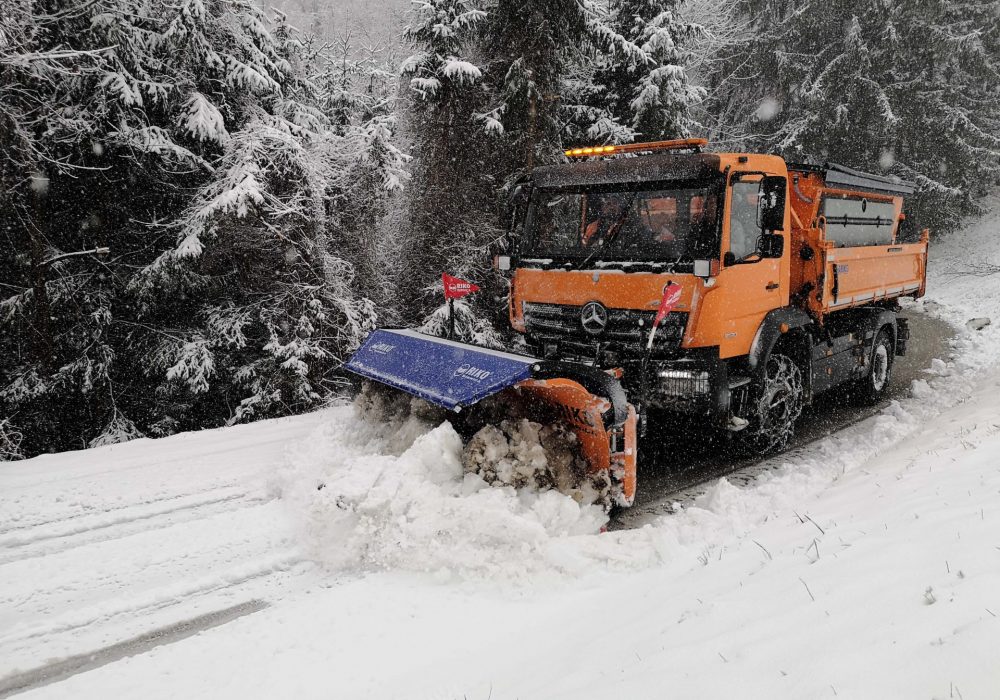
[(743, 229)]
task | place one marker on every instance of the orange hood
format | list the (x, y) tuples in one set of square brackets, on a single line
[(613, 288)]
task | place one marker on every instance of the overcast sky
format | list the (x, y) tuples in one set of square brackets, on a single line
[(380, 18)]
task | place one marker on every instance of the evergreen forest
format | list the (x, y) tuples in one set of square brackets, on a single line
[(204, 208)]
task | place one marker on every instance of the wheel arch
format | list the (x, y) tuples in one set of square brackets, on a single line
[(786, 326), (872, 323)]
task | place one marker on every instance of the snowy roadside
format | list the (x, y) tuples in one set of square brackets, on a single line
[(885, 586), (106, 544), (864, 565)]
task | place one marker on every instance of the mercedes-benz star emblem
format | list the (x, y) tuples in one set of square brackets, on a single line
[(594, 317)]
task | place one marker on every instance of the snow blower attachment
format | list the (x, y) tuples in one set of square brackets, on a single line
[(524, 421)]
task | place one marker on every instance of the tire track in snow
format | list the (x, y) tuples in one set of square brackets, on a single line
[(15, 639), (108, 553), (661, 490), (129, 521), (107, 509), (43, 586), (60, 669), (742, 473), (163, 576)]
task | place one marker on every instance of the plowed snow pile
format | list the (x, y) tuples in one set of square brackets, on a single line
[(529, 455), (395, 494)]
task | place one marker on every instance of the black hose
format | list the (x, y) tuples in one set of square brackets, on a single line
[(595, 381)]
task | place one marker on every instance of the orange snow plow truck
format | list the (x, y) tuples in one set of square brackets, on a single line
[(656, 280)]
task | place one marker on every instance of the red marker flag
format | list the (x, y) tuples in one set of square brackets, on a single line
[(456, 288), (671, 295)]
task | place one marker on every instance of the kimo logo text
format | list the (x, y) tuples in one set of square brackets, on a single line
[(475, 374)]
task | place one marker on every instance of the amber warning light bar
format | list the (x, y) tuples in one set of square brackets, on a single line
[(651, 147)]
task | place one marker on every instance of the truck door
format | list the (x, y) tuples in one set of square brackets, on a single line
[(751, 284)]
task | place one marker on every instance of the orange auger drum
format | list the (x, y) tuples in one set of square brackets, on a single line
[(611, 449)]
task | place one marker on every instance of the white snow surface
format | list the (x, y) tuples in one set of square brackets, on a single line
[(865, 565)]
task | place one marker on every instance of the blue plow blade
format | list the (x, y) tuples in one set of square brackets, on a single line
[(444, 372)]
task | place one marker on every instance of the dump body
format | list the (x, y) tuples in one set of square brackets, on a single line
[(849, 244)]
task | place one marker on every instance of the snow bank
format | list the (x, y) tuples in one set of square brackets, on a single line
[(395, 495), (964, 283)]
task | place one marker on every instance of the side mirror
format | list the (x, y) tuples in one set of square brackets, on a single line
[(772, 245), (771, 203)]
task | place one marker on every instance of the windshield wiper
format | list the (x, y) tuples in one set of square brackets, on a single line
[(642, 265), (613, 229)]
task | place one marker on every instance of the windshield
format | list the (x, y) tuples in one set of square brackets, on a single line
[(678, 223)]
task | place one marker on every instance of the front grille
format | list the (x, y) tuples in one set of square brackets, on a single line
[(626, 330)]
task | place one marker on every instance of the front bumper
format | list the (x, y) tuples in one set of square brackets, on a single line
[(696, 384)]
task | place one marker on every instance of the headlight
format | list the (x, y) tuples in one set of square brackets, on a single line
[(683, 382)]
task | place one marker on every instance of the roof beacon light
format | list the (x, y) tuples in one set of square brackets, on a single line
[(651, 147)]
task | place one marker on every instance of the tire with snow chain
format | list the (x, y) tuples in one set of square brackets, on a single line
[(873, 387), (775, 406)]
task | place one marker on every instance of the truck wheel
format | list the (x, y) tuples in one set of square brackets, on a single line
[(873, 387), (776, 406)]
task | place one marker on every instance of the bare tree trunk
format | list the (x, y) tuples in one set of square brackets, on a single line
[(42, 326), (532, 132)]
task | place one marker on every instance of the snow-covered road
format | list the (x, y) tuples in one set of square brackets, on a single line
[(871, 578), (104, 545), (862, 565), (683, 469)]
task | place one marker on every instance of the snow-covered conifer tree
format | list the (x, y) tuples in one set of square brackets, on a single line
[(903, 85), (358, 88), (265, 344), (449, 207), (182, 137), (534, 47), (652, 93)]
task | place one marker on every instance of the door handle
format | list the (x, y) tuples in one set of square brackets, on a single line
[(771, 286)]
